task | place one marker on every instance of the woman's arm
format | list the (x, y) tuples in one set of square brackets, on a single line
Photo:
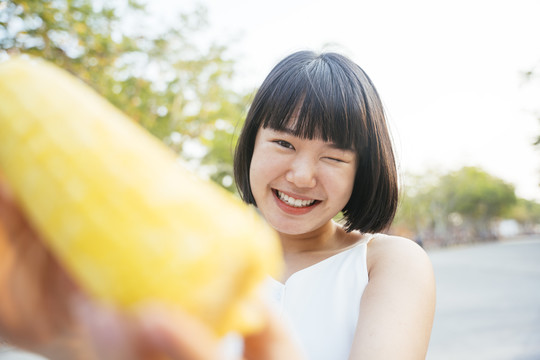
[(398, 305)]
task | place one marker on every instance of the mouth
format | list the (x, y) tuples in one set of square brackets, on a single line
[(296, 203)]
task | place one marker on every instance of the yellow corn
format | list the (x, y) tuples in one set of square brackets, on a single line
[(119, 211)]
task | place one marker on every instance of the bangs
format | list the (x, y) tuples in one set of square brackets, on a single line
[(314, 101)]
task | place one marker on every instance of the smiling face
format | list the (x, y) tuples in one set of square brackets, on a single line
[(331, 100), (299, 184)]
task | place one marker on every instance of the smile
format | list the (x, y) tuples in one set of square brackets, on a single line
[(297, 203)]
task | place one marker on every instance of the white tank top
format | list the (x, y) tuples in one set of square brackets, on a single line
[(321, 303)]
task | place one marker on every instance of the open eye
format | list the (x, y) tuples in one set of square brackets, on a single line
[(284, 144)]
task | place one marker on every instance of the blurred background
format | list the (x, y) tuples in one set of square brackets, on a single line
[(460, 82)]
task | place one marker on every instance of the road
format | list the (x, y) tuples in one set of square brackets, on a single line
[(488, 303)]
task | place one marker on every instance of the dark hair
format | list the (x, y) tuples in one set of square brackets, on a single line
[(331, 99)]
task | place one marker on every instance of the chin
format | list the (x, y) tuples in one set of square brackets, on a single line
[(294, 227)]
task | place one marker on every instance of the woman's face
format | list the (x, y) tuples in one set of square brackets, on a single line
[(299, 184)]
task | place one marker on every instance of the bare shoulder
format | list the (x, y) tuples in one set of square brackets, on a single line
[(395, 261), (395, 253), (398, 304)]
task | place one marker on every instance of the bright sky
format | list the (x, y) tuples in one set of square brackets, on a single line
[(449, 72)]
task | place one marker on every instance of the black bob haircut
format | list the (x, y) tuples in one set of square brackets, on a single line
[(332, 99)]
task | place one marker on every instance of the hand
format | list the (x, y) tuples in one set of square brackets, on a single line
[(43, 310), (34, 290)]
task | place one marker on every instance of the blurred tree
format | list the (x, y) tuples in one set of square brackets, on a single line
[(158, 74), (414, 213), (477, 197), (456, 207), (527, 214)]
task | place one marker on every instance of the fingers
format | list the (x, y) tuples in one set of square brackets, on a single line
[(158, 333), (111, 334), (177, 334), (273, 342)]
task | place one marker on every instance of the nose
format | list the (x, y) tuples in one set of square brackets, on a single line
[(302, 173)]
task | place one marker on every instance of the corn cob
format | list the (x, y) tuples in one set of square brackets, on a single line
[(120, 212)]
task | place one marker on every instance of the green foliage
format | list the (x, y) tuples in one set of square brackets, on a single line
[(455, 207), (158, 75), (476, 195), (416, 201), (526, 212)]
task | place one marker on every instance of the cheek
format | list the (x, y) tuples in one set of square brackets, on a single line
[(343, 185), (264, 171), (253, 178), (257, 173)]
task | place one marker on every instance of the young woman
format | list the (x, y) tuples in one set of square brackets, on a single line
[(315, 146)]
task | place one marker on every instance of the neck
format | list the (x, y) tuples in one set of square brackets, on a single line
[(327, 237)]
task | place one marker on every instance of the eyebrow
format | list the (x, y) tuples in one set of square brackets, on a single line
[(332, 144)]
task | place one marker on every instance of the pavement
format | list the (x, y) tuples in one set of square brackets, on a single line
[(488, 303)]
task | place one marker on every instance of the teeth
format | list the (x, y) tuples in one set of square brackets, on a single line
[(294, 202)]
